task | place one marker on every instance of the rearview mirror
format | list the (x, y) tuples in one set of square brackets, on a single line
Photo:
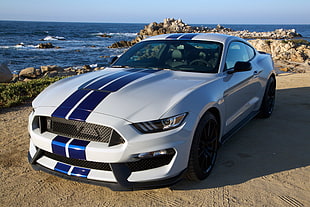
[(242, 66), (112, 59)]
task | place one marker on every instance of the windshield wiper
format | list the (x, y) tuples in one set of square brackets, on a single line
[(120, 66), (157, 68)]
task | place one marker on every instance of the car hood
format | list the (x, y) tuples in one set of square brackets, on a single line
[(130, 94)]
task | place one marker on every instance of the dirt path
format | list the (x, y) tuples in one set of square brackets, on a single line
[(267, 163)]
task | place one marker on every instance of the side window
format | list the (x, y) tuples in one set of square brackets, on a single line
[(238, 51), (250, 51)]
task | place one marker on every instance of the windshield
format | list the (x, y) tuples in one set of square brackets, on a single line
[(180, 55)]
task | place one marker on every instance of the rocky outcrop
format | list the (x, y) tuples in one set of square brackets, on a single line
[(288, 50), (52, 71), (276, 34), (171, 25), (5, 74)]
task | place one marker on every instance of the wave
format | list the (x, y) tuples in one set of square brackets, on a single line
[(123, 34), (128, 34), (52, 38), (18, 46)]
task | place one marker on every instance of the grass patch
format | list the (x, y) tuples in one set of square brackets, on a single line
[(13, 94)]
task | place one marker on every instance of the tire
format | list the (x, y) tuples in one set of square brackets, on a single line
[(268, 99), (204, 148)]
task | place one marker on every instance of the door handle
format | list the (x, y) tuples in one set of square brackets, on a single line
[(256, 73)]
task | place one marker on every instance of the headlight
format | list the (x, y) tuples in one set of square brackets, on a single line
[(161, 124)]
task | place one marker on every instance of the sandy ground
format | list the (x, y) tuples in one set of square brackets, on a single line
[(267, 163)]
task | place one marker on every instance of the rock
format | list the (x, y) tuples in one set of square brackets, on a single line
[(5, 74), (45, 45), (105, 35), (261, 45), (219, 26), (38, 72), (15, 78), (28, 73), (51, 74), (171, 25), (289, 50), (87, 67), (46, 68), (121, 44)]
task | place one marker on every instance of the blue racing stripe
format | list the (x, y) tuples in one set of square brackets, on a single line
[(67, 105), (118, 84), (74, 98), (91, 102), (80, 172), (188, 36), (59, 145), (88, 105), (63, 168), (103, 81), (174, 36), (77, 149)]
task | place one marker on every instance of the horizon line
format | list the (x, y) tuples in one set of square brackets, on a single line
[(97, 22)]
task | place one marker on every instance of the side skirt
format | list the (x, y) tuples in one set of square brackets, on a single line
[(238, 126)]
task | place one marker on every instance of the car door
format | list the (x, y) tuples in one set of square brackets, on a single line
[(241, 94)]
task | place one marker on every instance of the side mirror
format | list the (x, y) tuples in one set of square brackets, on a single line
[(112, 59), (242, 66)]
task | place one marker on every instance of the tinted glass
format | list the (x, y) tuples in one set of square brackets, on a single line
[(238, 51), (250, 51), (193, 56)]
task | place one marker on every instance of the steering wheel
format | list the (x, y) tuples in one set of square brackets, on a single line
[(200, 62)]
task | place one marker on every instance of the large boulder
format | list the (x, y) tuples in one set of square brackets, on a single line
[(28, 73), (5, 74)]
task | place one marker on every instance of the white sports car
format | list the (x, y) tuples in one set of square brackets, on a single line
[(157, 115)]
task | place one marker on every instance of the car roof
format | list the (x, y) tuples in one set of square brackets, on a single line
[(222, 38)]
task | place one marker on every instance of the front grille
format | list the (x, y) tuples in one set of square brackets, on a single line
[(144, 164), (77, 162), (79, 130)]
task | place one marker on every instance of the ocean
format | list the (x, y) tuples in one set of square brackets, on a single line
[(81, 44)]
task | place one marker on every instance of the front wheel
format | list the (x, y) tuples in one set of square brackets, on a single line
[(268, 99), (204, 148)]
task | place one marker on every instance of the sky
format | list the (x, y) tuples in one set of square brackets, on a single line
[(143, 11)]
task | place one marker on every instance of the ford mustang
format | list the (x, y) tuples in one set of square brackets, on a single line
[(156, 115)]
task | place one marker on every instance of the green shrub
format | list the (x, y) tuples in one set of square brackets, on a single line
[(12, 94), (268, 42), (297, 42)]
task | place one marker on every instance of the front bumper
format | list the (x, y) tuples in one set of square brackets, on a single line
[(122, 179), (114, 166)]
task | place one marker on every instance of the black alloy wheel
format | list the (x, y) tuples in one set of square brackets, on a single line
[(269, 99), (204, 148)]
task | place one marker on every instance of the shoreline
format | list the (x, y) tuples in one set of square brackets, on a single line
[(60, 45)]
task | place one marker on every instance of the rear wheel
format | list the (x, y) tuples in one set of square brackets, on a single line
[(268, 99), (204, 148)]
